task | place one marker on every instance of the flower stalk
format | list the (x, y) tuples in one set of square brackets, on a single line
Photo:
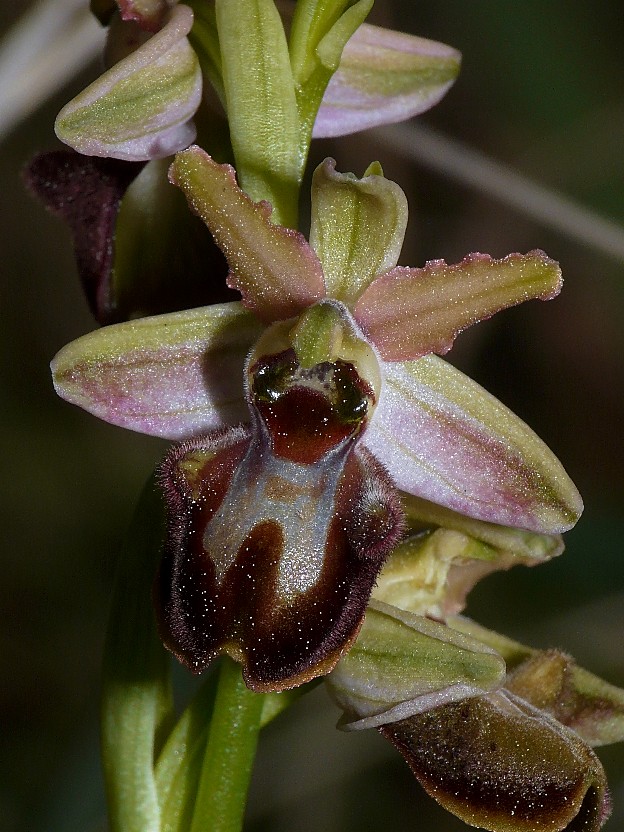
[(229, 754)]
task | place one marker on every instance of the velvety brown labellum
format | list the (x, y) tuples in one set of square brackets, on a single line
[(276, 532), (500, 764)]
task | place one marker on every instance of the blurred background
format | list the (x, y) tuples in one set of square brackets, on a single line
[(540, 92)]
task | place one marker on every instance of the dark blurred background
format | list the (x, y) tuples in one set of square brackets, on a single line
[(541, 90)]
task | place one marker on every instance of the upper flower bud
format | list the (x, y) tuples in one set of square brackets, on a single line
[(141, 108)]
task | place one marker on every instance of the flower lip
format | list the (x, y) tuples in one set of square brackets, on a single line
[(270, 559), (500, 764)]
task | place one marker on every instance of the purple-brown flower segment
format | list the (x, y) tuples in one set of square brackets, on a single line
[(498, 733)]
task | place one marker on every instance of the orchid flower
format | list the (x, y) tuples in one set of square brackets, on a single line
[(279, 525), (511, 752), (337, 488)]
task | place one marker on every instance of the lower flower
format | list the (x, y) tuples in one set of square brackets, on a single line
[(500, 764), (296, 401), (498, 733)]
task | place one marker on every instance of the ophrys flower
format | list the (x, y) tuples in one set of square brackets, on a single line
[(278, 527)]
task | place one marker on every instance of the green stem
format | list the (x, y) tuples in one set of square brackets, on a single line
[(261, 104), (179, 766), (230, 751), (137, 705)]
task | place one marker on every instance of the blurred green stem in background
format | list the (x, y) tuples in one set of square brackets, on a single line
[(137, 702)]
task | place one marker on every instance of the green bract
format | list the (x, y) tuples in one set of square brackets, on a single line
[(403, 664)]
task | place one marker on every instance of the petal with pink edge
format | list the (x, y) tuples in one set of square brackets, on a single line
[(446, 439), (170, 375), (357, 227), (142, 107), (527, 547), (273, 267), (384, 77), (411, 312)]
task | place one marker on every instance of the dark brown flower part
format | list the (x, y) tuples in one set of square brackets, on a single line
[(138, 249), (277, 532), (103, 10), (86, 192), (500, 764)]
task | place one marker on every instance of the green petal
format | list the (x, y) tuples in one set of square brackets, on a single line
[(141, 107), (312, 23), (274, 268), (318, 36), (402, 664), (528, 547), (408, 313), (172, 375), (357, 229), (432, 573), (553, 682)]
